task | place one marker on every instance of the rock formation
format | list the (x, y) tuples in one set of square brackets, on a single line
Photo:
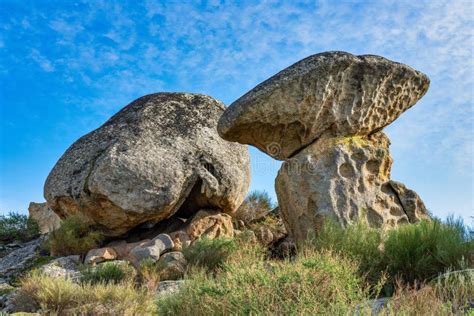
[(324, 116), (159, 156), (47, 220)]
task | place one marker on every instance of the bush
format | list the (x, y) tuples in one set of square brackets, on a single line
[(63, 297), (255, 206), (315, 283), (108, 272), (17, 227), (359, 242), (420, 252), (74, 237), (413, 253), (209, 253)]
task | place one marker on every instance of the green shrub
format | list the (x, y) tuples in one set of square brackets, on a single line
[(359, 242), (316, 283), (74, 237), (419, 252), (17, 227), (209, 253), (255, 205), (108, 272)]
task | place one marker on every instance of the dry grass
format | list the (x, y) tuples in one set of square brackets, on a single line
[(63, 297)]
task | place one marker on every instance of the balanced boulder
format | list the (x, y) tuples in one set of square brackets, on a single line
[(159, 156), (324, 116), (334, 92)]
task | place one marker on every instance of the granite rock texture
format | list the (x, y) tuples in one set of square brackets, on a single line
[(334, 93), (160, 155)]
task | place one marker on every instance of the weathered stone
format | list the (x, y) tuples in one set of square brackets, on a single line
[(168, 287), (153, 249), (180, 239), (344, 178), (100, 254), (47, 220), (19, 260), (210, 223), (264, 235), (334, 93), (161, 155), (172, 266), (410, 201), (64, 267)]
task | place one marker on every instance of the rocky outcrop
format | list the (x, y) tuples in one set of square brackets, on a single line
[(64, 267), (324, 116), (19, 260), (333, 92), (172, 266), (47, 220), (344, 178), (159, 156)]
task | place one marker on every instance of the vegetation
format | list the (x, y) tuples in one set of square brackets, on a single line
[(422, 266), (17, 227), (63, 297), (255, 206), (108, 273), (417, 253), (411, 254), (209, 254), (74, 237)]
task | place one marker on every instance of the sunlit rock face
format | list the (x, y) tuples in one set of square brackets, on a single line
[(345, 178), (332, 92), (323, 116), (159, 156)]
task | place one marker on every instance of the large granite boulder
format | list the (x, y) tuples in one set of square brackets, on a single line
[(159, 156), (344, 178), (324, 116), (332, 92)]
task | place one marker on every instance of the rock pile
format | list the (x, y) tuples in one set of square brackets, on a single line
[(324, 116), (158, 157)]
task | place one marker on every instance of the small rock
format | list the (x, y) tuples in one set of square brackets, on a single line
[(100, 255), (210, 223), (172, 266), (153, 249), (168, 287), (264, 235), (180, 239), (64, 267)]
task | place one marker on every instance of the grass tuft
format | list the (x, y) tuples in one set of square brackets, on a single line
[(74, 237)]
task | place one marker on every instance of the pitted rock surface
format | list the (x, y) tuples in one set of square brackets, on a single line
[(333, 93), (344, 178), (161, 155)]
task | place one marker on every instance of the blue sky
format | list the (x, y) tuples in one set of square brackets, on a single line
[(67, 66)]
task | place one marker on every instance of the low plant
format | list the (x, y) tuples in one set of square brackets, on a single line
[(74, 237), (420, 252), (359, 242), (63, 297), (209, 253), (315, 283), (255, 206), (17, 227), (108, 272)]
